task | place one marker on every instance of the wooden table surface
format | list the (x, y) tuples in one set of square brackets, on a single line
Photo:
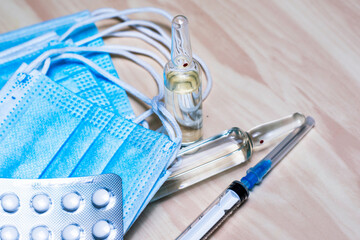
[(268, 59)]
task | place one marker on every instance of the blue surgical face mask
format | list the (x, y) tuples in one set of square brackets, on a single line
[(28, 120), (100, 126), (41, 120), (12, 58), (90, 86), (73, 75), (58, 25)]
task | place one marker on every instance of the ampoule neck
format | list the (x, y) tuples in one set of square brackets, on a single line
[(181, 55), (269, 132)]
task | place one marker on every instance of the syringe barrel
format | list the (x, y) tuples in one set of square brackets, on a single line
[(216, 213)]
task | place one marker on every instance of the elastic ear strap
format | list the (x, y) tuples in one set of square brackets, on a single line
[(46, 66), (43, 39), (115, 14), (166, 41), (102, 11), (140, 51), (146, 33), (38, 61), (168, 121), (152, 42), (126, 24), (114, 48)]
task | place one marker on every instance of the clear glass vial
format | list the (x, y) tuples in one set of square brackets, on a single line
[(206, 158), (183, 92)]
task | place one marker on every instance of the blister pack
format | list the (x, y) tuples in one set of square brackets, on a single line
[(63, 208)]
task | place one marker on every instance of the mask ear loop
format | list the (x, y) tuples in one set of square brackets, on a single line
[(114, 50), (141, 26), (130, 49), (166, 118), (166, 53), (126, 24), (150, 54), (46, 66), (139, 51), (100, 11), (157, 107), (131, 34), (116, 14)]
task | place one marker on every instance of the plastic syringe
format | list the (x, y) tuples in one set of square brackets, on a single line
[(238, 191)]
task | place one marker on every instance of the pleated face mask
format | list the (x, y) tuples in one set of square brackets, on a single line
[(72, 75), (58, 25), (25, 44), (40, 120), (48, 131)]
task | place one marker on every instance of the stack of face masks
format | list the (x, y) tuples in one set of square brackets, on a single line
[(74, 121), (24, 45)]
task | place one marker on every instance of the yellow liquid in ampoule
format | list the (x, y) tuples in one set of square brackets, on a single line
[(184, 102)]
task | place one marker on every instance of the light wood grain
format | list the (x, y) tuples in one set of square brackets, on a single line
[(268, 59)]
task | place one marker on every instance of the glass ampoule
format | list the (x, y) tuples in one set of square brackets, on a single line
[(183, 96), (206, 158)]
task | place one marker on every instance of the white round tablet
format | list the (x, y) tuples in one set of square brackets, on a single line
[(40, 233), (10, 202), (101, 229), (101, 198), (71, 202), (9, 233), (71, 232), (41, 203)]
